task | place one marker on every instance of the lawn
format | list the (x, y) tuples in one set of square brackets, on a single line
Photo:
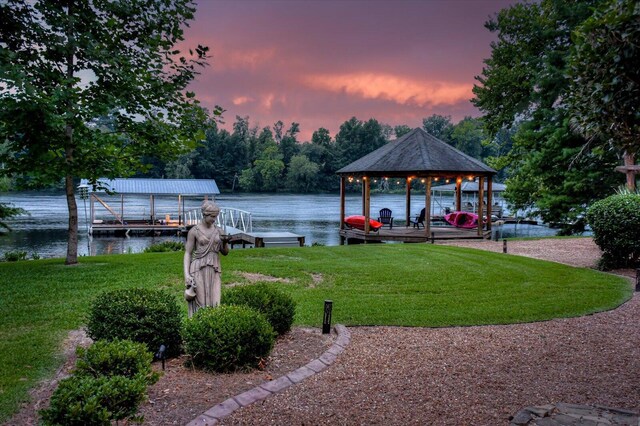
[(391, 284)]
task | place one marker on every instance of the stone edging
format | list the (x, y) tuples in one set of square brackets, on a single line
[(260, 392)]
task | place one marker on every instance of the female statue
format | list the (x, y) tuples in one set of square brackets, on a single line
[(202, 262)]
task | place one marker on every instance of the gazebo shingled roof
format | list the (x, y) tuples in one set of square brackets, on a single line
[(417, 153)]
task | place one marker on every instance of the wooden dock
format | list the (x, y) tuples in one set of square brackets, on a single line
[(267, 239), (138, 228), (410, 235)]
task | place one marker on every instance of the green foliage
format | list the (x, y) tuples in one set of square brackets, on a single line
[(278, 307), (467, 136), (356, 139), (615, 221), (165, 246), (58, 127), (521, 92), (86, 400), (227, 338), (439, 126), (605, 78), (401, 130), (143, 315), (302, 175), (15, 256), (7, 212), (116, 358)]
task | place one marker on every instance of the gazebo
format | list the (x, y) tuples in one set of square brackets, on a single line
[(416, 155)]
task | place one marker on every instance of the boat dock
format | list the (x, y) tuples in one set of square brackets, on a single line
[(409, 235)]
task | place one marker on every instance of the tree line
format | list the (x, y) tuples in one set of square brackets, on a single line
[(271, 158)]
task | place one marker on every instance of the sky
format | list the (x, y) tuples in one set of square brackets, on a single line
[(321, 62)]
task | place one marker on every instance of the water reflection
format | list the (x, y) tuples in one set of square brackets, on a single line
[(44, 230)]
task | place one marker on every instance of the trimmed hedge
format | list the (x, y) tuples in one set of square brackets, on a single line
[(278, 307), (615, 222), (227, 338), (86, 400), (116, 358), (108, 384), (142, 315)]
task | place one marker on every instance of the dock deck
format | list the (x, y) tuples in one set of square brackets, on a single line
[(410, 234)]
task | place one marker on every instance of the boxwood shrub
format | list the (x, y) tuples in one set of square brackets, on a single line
[(227, 338), (142, 315), (116, 358), (86, 400), (278, 307), (615, 222)]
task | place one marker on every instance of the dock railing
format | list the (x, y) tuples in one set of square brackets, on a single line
[(233, 220)]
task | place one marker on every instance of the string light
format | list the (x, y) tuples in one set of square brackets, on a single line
[(470, 178), (436, 179)]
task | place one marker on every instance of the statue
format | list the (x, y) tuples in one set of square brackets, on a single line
[(202, 262)]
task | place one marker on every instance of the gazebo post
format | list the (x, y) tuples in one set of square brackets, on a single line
[(480, 203), (489, 201), (364, 196), (408, 202), (343, 187), (367, 204), (458, 194), (427, 206)]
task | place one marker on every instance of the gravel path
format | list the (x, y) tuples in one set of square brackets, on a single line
[(471, 375)]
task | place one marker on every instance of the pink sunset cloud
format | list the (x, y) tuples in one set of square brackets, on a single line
[(319, 63), (393, 88)]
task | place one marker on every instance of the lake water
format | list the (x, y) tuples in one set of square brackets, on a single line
[(316, 216)]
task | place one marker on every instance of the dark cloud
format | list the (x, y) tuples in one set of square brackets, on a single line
[(320, 63)]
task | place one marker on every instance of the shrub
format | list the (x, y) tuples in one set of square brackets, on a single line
[(615, 222), (147, 316), (86, 400), (116, 358), (165, 246), (278, 307), (15, 256), (227, 338)]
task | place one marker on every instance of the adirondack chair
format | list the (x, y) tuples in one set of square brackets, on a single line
[(419, 220), (385, 217)]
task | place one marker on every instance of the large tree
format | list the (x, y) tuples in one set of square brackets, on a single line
[(522, 91), (604, 96), (356, 139), (65, 64)]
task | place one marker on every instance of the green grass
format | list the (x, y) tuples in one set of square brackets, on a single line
[(391, 284)]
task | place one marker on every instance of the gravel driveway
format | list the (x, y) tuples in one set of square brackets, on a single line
[(471, 375)]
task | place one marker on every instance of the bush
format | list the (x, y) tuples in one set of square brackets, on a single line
[(227, 338), (165, 246), (615, 222), (147, 316), (116, 358), (278, 307), (86, 400), (15, 256)]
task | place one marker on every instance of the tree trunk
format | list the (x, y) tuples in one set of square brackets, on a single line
[(629, 160), (72, 231)]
